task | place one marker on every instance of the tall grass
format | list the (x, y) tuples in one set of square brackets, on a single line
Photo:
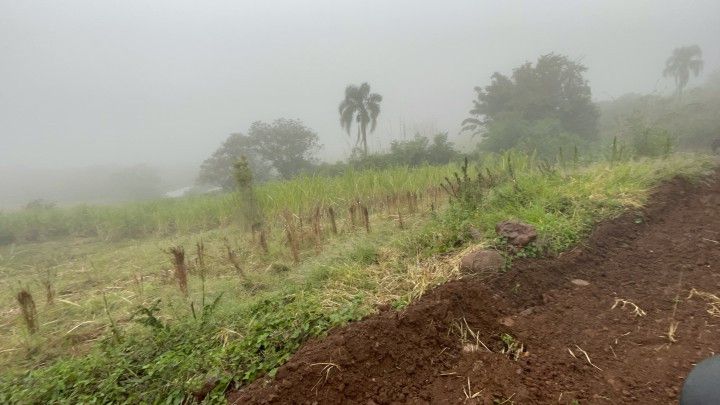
[(165, 217)]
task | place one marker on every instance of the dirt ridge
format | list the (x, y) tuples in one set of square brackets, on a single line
[(583, 343)]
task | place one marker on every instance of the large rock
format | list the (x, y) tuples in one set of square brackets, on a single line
[(516, 233), (482, 261)]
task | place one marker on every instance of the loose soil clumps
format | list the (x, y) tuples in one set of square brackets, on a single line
[(629, 334), (517, 234)]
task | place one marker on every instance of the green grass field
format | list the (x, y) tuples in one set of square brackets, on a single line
[(120, 329), (168, 217)]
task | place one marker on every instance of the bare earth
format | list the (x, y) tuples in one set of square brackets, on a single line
[(576, 346)]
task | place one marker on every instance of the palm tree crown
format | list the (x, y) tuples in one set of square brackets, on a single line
[(361, 106), (684, 60)]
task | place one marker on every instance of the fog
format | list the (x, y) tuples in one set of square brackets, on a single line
[(163, 83)]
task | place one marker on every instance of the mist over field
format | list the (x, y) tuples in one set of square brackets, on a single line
[(92, 90), (199, 201)]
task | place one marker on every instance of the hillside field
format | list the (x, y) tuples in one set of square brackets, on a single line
[(178, 299)]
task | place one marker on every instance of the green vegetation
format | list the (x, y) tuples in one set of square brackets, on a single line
[(684, 61), (363, 107), (161, 218), (121, 327), (691, 123), (177, 300), (281, 149), (540, 107)]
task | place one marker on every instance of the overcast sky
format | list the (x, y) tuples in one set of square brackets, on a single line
[(164, 82)]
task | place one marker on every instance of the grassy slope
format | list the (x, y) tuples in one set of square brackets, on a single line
[(261, 321), (167, 217)]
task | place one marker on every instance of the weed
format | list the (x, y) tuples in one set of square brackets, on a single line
[(48, 284), (234, 260), (366, 217), (331, 214), (263, 240), (28, 309), (179, 268), (113, 325), (292, 237), (146, 315), (512, 347)]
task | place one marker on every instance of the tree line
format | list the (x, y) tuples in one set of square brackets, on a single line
[(539, 107)]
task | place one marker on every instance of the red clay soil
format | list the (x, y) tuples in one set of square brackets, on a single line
[(577, 347)]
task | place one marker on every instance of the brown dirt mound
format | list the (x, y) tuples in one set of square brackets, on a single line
[(576, 345)]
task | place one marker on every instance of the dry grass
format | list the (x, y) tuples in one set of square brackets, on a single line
[(324, 374), (234, 260), (366, 217), (292, 236), (672, 329), (263, 240), (636, 310), (469, 394), (333, 222), (712, 300), (469, 339), (585, 354)]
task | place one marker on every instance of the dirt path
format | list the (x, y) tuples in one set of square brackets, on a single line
[(652, 258)]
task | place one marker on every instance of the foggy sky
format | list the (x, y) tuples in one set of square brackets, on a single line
[(165, 82)]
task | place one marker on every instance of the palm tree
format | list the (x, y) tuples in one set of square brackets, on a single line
[(361, 106), (684, 60)]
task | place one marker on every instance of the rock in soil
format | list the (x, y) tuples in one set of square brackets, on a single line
[(516, 233), (482, 261)]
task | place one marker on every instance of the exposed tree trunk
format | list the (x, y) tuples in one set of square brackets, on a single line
[(364, 139)]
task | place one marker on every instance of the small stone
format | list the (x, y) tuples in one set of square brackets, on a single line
[(580, 282), (481, 261)]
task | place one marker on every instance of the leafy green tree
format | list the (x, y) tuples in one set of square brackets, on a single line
[(217, 170), (362, 107), (288, 145), (285, 147), (554, 88), (682, 62)]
